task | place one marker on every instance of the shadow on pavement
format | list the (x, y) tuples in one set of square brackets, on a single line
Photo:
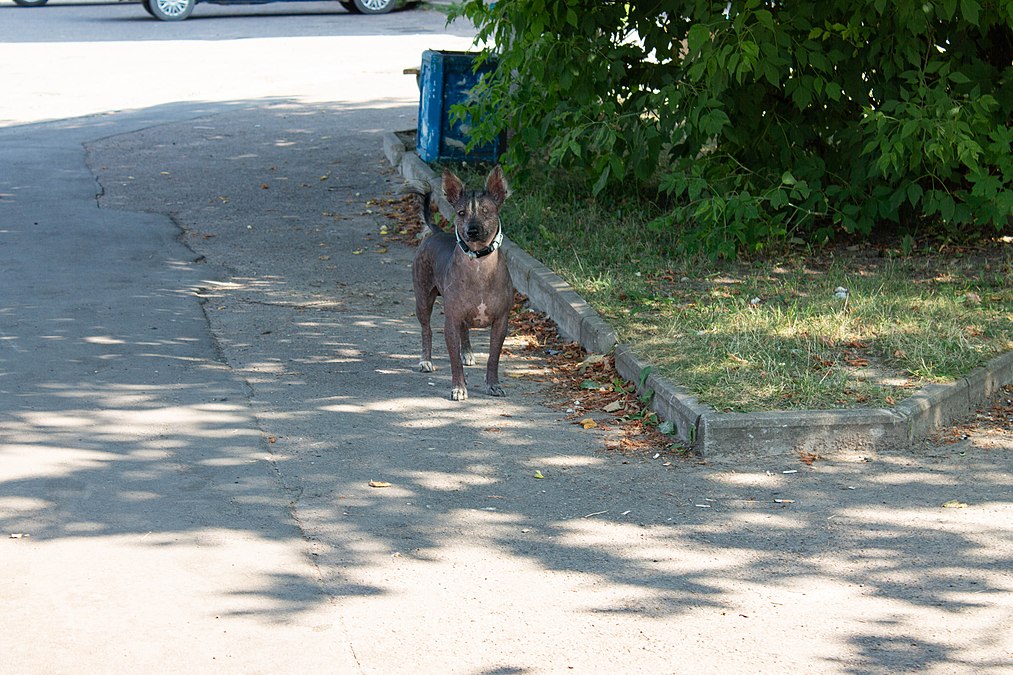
[(273, 378)]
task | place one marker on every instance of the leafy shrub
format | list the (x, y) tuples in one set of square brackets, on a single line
[(761, 120)]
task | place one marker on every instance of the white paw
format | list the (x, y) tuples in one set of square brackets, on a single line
[(426, 366), (458, 394), (468, 358), (496, 390)]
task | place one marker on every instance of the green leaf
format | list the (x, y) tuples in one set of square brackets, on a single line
[(969, 10), (914, 193), (590, 384), (802, 96), (778, 199), (602, 181), (750, 49), (697, 37), (644, 374)]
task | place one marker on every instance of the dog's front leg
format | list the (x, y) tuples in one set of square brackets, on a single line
[(452, 332), (497, 335)]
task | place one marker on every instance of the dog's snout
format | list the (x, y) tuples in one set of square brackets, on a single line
[(474, 232)]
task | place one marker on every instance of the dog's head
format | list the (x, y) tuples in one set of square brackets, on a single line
[(477, 220)]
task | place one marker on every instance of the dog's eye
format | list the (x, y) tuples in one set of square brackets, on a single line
[(461, 213)]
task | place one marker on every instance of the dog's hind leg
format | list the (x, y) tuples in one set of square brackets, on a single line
[(424, 312), (467, 355)]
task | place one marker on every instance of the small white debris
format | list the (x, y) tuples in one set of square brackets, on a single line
[(704, 506), (841, 293), (626, 512), (790, 471), (754, 301), (656, 455)]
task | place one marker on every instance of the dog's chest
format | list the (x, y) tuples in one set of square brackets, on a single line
[(479, 307), (481, 315)]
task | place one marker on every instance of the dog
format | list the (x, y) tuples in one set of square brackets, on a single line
[(466, 268)]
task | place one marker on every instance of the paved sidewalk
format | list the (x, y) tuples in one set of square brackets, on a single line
[(202, 370)]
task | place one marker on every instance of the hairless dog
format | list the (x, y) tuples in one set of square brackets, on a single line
[(467, 269)]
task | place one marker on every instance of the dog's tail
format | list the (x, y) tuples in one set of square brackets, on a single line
[(425, 192)]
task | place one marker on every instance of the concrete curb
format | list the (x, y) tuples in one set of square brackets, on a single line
[(729, 436)]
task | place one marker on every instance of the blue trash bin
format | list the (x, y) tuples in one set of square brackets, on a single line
[(446, 79)]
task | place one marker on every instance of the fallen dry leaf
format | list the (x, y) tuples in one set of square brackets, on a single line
[(588, 423), (808, 458), (379, 484)]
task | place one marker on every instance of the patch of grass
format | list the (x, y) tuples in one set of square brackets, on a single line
[(771, 333)]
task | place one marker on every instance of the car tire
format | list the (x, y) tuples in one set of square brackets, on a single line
[(375, 6), (349, 6), (146, 4), (30, 3), (170, 10)]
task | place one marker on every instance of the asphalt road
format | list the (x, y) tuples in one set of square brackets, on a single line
[(207, 353)]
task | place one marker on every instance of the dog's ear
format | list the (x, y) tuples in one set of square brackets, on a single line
[(496, 185), (453, 188)]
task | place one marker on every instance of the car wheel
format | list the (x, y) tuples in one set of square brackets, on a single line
[(349, 6), (170, 10), (375, 6), (146, 4), (30, 3)]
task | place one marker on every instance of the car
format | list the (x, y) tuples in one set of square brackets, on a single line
[(177, 10)]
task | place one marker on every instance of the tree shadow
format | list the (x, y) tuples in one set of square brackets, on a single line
[(281, 384)]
